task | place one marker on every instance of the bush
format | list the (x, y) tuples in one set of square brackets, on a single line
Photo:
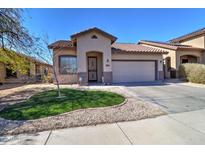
[(192, 72), (47, 79)]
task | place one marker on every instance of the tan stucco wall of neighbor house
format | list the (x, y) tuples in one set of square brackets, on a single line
[(197, 54), (132, 56), (171, 54), (63, 78), (3, 73), (198, 41), (32, 69), (86, 44)]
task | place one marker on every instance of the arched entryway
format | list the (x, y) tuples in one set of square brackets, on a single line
[(189, 59), (167, 67), (94, 66)]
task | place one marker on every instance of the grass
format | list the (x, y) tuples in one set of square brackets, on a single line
[(46, 103)]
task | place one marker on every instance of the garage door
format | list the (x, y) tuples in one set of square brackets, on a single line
[(133, 71)]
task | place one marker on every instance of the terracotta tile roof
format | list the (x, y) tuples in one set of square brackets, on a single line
[(61, 44), (189, 35), (169, 45), (133, 48), (95, 29)]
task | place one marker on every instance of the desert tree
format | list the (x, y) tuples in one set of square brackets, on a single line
[(14, 38), (43, 52)]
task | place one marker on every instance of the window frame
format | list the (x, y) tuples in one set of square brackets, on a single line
[(59, 62)]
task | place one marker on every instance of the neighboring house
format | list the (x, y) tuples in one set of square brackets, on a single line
[(38, 69), (93, 56), (189, 48)]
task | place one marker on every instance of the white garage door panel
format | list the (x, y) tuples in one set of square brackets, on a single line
[(133, 71)]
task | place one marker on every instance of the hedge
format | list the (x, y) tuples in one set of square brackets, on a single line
[(192, 72)]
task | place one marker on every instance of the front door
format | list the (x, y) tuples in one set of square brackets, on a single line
[(92, 69)]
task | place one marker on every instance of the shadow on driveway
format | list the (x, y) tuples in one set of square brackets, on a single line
[(141, 84)]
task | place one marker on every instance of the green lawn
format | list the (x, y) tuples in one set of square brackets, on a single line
[(46, 104)]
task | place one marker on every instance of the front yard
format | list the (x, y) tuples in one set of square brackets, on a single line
[(34, 108), (46, 103)]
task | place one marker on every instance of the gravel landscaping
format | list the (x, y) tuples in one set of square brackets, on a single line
[(132, 109)]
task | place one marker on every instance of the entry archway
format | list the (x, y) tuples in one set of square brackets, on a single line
[(94, 66), (189, 59)]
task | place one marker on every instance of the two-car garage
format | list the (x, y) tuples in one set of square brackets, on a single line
[(133, 70)]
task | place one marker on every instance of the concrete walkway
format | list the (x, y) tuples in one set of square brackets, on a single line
[(180, 128)]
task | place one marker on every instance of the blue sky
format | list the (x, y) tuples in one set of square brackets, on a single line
[(128, 25)]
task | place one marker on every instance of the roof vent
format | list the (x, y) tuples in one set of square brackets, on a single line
[(94, 37)]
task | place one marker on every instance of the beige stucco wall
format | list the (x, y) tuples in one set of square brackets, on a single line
[(198, 41), (171, 54), (32, 69), (3, 73), (193, 53), (22, 78), (86, 44), (63, 78), (158, 57)]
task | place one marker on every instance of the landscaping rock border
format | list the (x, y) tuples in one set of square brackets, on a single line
[(131, 109)]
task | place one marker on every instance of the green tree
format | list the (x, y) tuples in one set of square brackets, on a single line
[(14, 37), (14, 61)]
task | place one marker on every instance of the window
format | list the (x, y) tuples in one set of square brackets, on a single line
[(10, 73), (45, 71), (184, 61), (68, 64)]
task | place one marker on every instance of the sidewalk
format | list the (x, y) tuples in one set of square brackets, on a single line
[(182, 128)]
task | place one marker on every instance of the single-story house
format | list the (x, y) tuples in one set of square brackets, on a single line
[(94, 56), (36, 71), (189, 48)]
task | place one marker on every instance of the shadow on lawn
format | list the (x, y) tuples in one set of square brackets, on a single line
[(14, 98), (19, 96), (8, 125)]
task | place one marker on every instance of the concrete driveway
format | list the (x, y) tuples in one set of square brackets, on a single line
[(171, 97)]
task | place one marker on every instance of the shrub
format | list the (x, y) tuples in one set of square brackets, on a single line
[(192, 72), (47, 79)]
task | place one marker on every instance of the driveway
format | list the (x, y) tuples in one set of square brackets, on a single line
[(171, 97)]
